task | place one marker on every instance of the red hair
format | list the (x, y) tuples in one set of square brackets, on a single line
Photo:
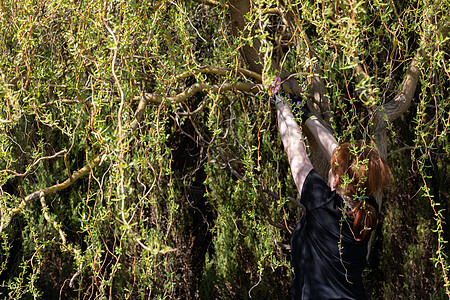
[(362, 172)]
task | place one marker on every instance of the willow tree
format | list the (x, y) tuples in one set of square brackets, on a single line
[(140, 155)]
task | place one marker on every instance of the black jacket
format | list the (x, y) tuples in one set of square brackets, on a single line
[(327, 261)]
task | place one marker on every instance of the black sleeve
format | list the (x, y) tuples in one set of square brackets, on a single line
[(315, 191)]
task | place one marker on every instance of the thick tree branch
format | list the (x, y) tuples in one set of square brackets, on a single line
[(400, 104), (6, 218), (393, 109), (198, 87), (390, 111), (238, 10)]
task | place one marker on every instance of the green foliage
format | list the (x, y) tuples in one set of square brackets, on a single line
[(191, 201)]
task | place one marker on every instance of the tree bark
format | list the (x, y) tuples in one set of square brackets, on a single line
[(238, 10), (393, 109)]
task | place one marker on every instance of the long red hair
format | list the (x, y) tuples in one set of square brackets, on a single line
[(362, 172)]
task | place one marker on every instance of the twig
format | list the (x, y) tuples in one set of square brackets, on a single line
[(62, 152), (400, 150), (47, 217), (196, 111)]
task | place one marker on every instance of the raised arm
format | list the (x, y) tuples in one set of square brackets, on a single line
[(294, 146), (324, 138), (326, 141)]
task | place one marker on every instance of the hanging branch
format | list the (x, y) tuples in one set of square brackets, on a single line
[(35, 163), (263, 191), (272, 194), (143, 102), (221, 71)]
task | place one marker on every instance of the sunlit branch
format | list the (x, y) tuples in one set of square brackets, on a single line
[(62, 101), (49, 190), (189, 92), (60, 153), (397, 106), (139, 113), (47, 217), (390, 111), (223, 5), (143, 101), (196, 111), (57, 187), (198, 87), (393, 109)]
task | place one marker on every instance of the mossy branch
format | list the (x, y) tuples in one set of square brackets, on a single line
[(60, 186), (7, 216)]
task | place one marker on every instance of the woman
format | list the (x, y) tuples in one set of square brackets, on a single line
[(329, 243)]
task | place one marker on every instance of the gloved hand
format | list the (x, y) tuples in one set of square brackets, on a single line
[(300, 108), (275, 96)]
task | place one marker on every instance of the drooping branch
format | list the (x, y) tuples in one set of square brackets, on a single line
[(35, 163), (60, 186), (155, 99), (272, 194), (317, 90), (143, 102), (393, 109), (238, 9), (265, 203), (139, 113)]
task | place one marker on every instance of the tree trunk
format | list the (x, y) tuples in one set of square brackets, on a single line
[(238, 9)]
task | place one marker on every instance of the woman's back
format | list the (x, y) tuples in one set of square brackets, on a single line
[(327, 261)]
